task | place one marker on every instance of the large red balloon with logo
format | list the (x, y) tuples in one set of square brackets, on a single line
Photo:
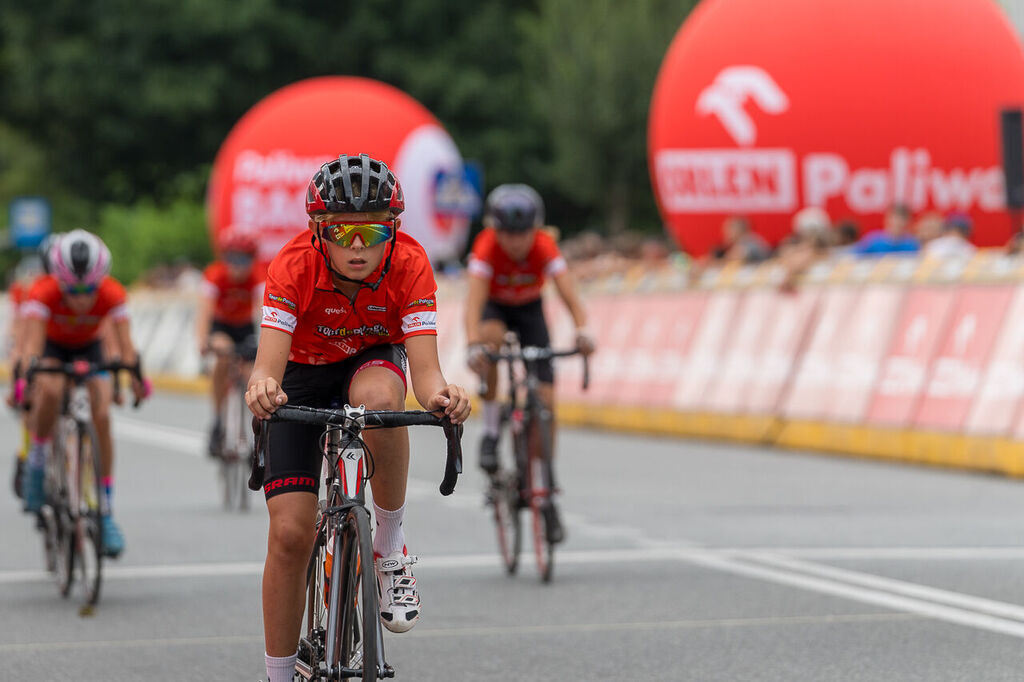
[(763, 107), (262, 170)]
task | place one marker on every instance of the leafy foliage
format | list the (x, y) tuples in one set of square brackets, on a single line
[(114, 109)]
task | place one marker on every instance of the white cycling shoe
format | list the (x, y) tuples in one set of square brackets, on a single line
[(396, 587)]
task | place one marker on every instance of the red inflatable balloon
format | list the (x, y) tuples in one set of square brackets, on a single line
[(763, 107), (261, 172)]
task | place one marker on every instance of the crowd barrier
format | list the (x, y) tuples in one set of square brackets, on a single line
[(897, 358)]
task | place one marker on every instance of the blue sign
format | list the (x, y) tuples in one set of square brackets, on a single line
[(29, 221), (458, 193)]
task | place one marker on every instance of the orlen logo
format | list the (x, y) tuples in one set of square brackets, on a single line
[(727, 96), (766, 180)]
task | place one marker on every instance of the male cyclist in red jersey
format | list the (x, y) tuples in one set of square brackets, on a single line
[(508, 264), (63, 313), (224, 320), (349, 314)]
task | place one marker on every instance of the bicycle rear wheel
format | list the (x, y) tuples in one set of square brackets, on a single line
[(361, 638), (88, 528), (538, 482), (62, 476)]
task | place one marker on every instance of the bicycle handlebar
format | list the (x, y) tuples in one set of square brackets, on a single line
[(382, 418), (80, 370), (537, 353)]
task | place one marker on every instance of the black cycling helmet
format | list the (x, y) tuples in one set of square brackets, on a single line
[(514, 208), (354, 184)]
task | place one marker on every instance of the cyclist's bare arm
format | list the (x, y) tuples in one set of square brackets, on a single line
[(204, 316), (264, 394), (475, 301), (566, 287), (432, 390)]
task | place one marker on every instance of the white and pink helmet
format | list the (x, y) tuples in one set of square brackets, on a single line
[(79, 260)]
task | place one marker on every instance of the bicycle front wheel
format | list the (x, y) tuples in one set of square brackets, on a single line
[(88, 527), (235, 452), (361, 638), (504, 498), (538, 482)]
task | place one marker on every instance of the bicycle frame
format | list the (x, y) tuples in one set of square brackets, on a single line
[(347, 467)]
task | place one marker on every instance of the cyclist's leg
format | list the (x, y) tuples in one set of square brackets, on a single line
[(289, 543), (101, 391), (379, 382), (492, 331), (290, 484), (222, 343), (45, 399)]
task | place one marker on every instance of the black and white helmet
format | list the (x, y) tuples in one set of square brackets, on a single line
[(514, 208)]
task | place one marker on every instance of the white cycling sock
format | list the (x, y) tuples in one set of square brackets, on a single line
[(492, 417), (389, 537), (280, 668)]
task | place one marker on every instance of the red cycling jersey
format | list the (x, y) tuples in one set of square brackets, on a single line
[(233, 300), (65, 327), (17, 294), (326, 327), (515, 282)]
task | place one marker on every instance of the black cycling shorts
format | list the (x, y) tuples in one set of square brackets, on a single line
[(527, 321), (294, 455), (92, 352), (237, 332)]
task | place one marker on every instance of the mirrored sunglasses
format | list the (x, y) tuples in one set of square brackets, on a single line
[(80, 289), (371, 234)]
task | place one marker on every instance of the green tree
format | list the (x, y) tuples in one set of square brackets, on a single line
[(592, 64)]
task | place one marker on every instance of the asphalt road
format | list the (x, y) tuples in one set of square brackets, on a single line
[(684, 561)]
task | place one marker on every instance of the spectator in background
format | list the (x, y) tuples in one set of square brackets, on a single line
[(740, 243), (928, 228), (953, 240), (808, 243), (894, 237), (846, 234)]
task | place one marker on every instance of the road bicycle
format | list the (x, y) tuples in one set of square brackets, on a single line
[(236, 436), (70, 518), (342, 636), (530, 482)]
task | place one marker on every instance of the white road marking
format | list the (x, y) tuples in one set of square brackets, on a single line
[(505, 631), (866, 595), (773, 565)]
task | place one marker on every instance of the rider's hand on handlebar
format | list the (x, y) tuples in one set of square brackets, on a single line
[(453, 400), (264, 396), (584, 341), (476, 357)]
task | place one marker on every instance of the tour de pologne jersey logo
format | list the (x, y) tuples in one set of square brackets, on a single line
[(764, 180)]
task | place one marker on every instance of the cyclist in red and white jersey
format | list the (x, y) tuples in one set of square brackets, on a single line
[(508, 265), (230, 289), (348, 315), (63, 316)]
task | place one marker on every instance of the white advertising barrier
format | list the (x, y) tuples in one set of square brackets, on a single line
[(995, 404), (955, 376), (904, 368), (782, 346), (815, 374), (864, 339), (702, 363), (743, 351)]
